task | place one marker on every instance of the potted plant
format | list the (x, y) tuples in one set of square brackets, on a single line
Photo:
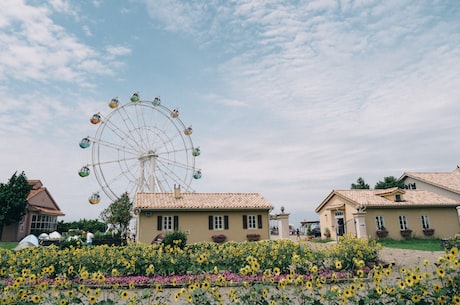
[(219, 238), (253, 236), (428, 231), (381, 232), (406, 233), (327, 233)]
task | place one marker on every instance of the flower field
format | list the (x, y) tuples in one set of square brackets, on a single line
[(264, 272)]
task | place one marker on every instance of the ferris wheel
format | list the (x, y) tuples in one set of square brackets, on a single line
[(141, 146)]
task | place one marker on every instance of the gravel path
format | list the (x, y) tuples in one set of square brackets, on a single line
[(403, 257)]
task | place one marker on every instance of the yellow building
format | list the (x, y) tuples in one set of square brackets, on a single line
[(398, 213), (238, 216)]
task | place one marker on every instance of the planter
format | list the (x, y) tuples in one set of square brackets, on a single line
[(109, 242), (381, 233), (406, 233), (253, 237), (220, 238), (428, 232)]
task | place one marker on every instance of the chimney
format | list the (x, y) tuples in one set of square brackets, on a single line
[(177, 194)]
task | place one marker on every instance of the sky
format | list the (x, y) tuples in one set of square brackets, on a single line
[(289, 99)]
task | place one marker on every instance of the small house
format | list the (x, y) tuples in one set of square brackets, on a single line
[(202, 216)]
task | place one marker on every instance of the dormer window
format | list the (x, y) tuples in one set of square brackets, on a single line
[(398, 198)]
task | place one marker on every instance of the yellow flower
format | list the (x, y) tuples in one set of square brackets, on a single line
[(415, 298), (176, 296), (338, 265), (124, 294), (92, 299), (36, 299), (276, 271), (62, 302), (441, 272), (456, 299)]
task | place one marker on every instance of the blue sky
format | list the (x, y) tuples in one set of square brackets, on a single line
[(290, 99)]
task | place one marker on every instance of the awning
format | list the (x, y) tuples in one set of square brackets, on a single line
[(45, 211)]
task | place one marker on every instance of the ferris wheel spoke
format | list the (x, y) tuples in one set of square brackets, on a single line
[(120, 135), (167, 163), (133, 125), (170, 175), (114, 161), (116, 147)]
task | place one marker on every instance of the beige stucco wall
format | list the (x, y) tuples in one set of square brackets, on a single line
[(420, 185), (443, 220), (195, 224), (328, 220)]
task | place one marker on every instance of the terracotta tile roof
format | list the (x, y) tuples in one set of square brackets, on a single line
[(371, 198), (446, 180), (34, 192), (201, 201)]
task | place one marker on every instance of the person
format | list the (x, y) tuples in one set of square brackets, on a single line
[(89, 238)]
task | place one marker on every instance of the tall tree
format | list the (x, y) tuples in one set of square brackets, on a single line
[(13, 199), (389, 182), (119, 214), (360, 185)]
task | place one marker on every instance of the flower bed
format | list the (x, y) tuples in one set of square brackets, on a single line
[(266, 272)]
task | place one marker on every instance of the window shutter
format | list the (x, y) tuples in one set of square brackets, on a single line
[(159, 223), (245, 221), (259, 221), (225, 222), (176, 223), (210, 222)]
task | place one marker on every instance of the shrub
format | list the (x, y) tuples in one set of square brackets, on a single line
[(175, 239)]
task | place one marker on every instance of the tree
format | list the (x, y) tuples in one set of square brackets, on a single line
[(389, 182), (360, 185), (13, 199), (119, 214), (82, 224)]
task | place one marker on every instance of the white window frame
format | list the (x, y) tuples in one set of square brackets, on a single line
[(218, 222), (252, 222), (379, 222), (425, 222), (403, 222), (167, 223)]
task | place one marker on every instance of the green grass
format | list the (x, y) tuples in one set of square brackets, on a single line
[(8, 244), (413, 244)]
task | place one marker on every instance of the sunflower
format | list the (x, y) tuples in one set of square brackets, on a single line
[(416, 298), (456, 299), (441, 272), (124, 294)]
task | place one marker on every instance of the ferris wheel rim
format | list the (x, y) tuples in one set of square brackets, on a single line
[(165, 156)]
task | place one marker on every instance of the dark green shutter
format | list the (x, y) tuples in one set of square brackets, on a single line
[(225, 222), (159, 223), (259, 221), (210, 222), (176, 223), (245, 221)]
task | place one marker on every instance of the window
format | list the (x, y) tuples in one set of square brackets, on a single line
[(379, 222), (425, 222), (252, 222), (43, 223), (218, 222), (403, 222), (167, 223)]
